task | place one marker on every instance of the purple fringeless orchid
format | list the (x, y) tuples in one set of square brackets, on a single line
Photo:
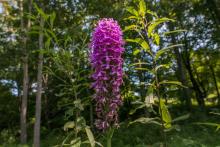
[(106, 60)]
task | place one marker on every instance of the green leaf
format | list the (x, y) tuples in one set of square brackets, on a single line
[(143, 69), (131, 27), (90, 136), (139, 63), (162, 66), (162, 51), (52, 18), (136, 51), (210, 124), (152, 13), (141, 42), (69, 125), (215, 113), (41, 12), (156, 38), (164, 112), (76, 142), (142, 8), (52, 35), (155, 23), (132, 11), (132, 111), (175, 31), (146, 120), (183, 117), (78, 104), (173, 83), (130, 17)]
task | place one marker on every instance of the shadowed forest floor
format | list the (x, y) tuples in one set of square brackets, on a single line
[(187, 134)]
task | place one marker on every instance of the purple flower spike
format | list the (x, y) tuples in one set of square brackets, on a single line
[(106, 60)]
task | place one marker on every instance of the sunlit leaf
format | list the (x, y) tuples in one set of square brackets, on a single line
[(132, 11), (162, 51), (136, 51), (141, 42), (142, 8), (69, 125), (162, 66), (131, 27), (155, 23), (90, 136), (164, 112), (156, 38), (152, 13), (130, 17)]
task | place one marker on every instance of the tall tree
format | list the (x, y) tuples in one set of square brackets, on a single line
[(39, 87), (24, 30)]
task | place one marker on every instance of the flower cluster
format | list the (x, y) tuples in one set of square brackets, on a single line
[(106, 60)]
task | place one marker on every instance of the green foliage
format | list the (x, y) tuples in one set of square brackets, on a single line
[(211, 124)]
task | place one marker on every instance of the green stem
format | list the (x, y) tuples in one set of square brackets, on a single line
[(109, 142), (159, 98), (109, 136)]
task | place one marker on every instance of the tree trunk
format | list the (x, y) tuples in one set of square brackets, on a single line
[(215, 82), (39, 88), (196, 88), (23, 115), (185, 94), (215, 10)]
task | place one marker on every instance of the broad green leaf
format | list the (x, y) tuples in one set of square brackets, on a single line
[(162, 51), (131, 27), (90, 136), (172, 82), (146, 120), (69, 125), (183, 117), (156, 38), (155, 23), (136, 51), (132, 11), (152, 13), (141, 42), (164, 112), (142, 8)]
